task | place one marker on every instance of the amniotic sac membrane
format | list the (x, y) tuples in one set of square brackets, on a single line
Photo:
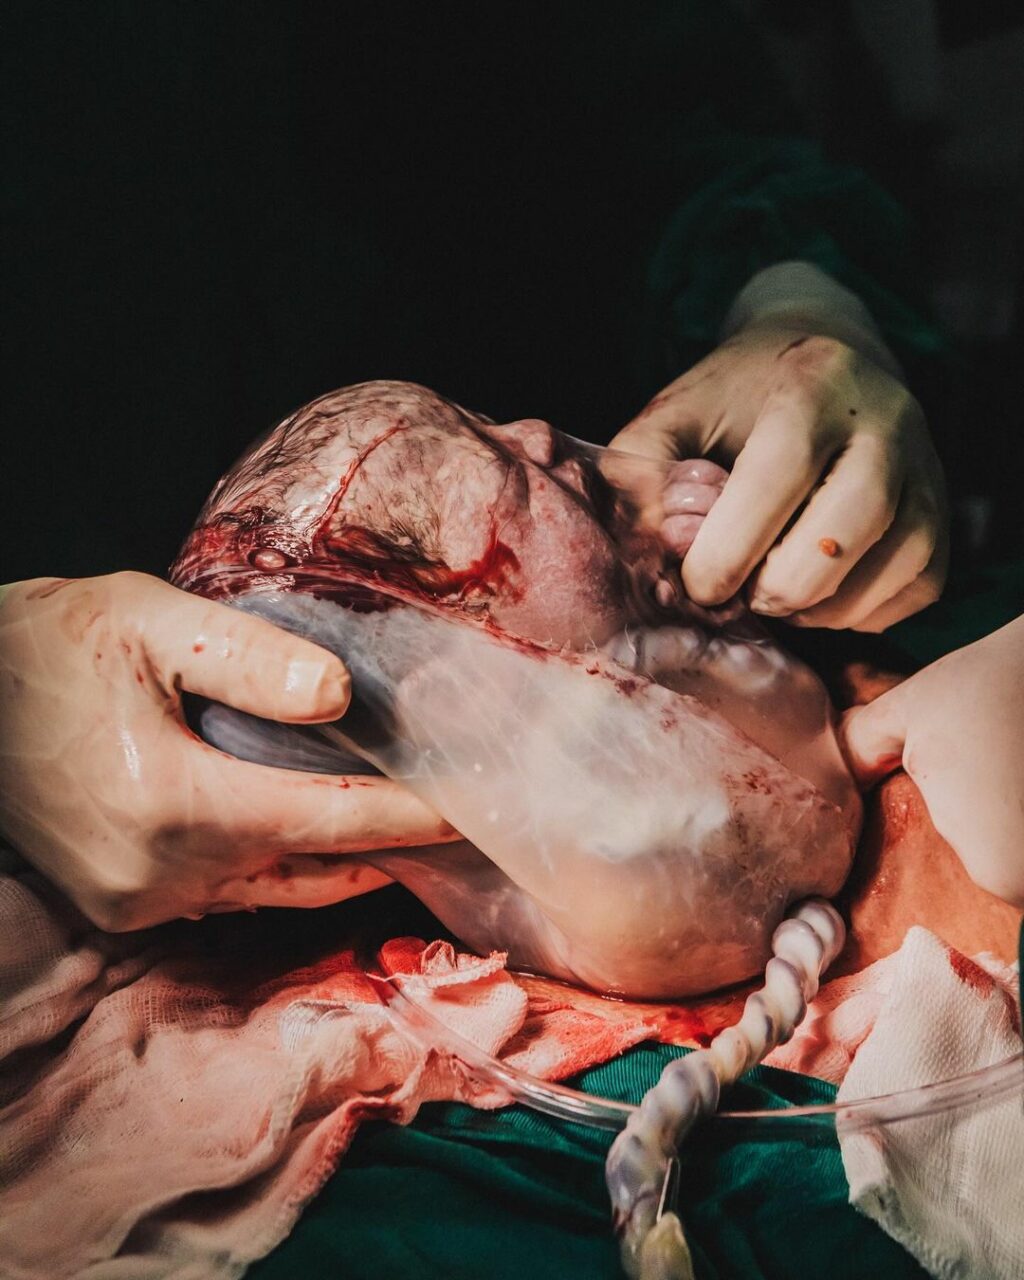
[(643, 786)]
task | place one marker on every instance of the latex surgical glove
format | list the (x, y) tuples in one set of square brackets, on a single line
[(957, 727), (834, 513), (104, 788)]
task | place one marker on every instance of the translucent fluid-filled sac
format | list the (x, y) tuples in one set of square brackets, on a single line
[(643, 786)]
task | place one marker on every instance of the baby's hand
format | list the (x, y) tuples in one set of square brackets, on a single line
[(690, 492)]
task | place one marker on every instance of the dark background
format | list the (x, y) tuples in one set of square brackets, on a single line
[(220, 210)]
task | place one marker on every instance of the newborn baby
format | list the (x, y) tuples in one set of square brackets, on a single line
[(644, 786)]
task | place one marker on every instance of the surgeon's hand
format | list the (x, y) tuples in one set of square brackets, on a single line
[(105, 789), (834, 512), (957, 727)]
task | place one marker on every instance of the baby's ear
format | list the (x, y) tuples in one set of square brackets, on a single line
[(529, 439)]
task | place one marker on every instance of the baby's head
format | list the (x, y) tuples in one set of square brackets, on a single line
[(387, 490)]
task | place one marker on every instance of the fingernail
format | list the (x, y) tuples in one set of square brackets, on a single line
[(704, 589), (325, 687), (342, 692), (766, 605)]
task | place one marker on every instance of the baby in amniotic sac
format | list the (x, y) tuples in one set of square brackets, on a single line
[(643, 786)]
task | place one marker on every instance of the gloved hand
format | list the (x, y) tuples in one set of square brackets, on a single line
[(957, 727), (105, 789), (834, 512)]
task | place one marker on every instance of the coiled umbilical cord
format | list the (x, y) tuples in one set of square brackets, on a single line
[(642, 1157)]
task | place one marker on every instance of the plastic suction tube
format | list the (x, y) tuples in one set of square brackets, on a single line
[(984, 1087)]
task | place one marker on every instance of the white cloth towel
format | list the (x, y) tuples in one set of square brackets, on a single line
[(168, 1107), (949, 1187)]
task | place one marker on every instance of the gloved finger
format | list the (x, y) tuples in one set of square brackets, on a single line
[(218, 652), (872, 737), (785, 454), (664, 430), (847, 515), (923, 591), (911, 554), (259, 808)]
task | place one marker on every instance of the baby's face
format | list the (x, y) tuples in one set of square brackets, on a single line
[(389, 488), (490, 521)]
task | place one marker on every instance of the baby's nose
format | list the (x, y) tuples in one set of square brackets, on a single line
[(532, 438)]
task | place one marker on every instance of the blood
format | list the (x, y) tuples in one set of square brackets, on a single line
[(357, 596), (970, 974), (685, 1024), (882, 767), (491, 574), (357, 462), (342, 783), (757, 782), (829, 547), (353, 566), (198, 647)]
